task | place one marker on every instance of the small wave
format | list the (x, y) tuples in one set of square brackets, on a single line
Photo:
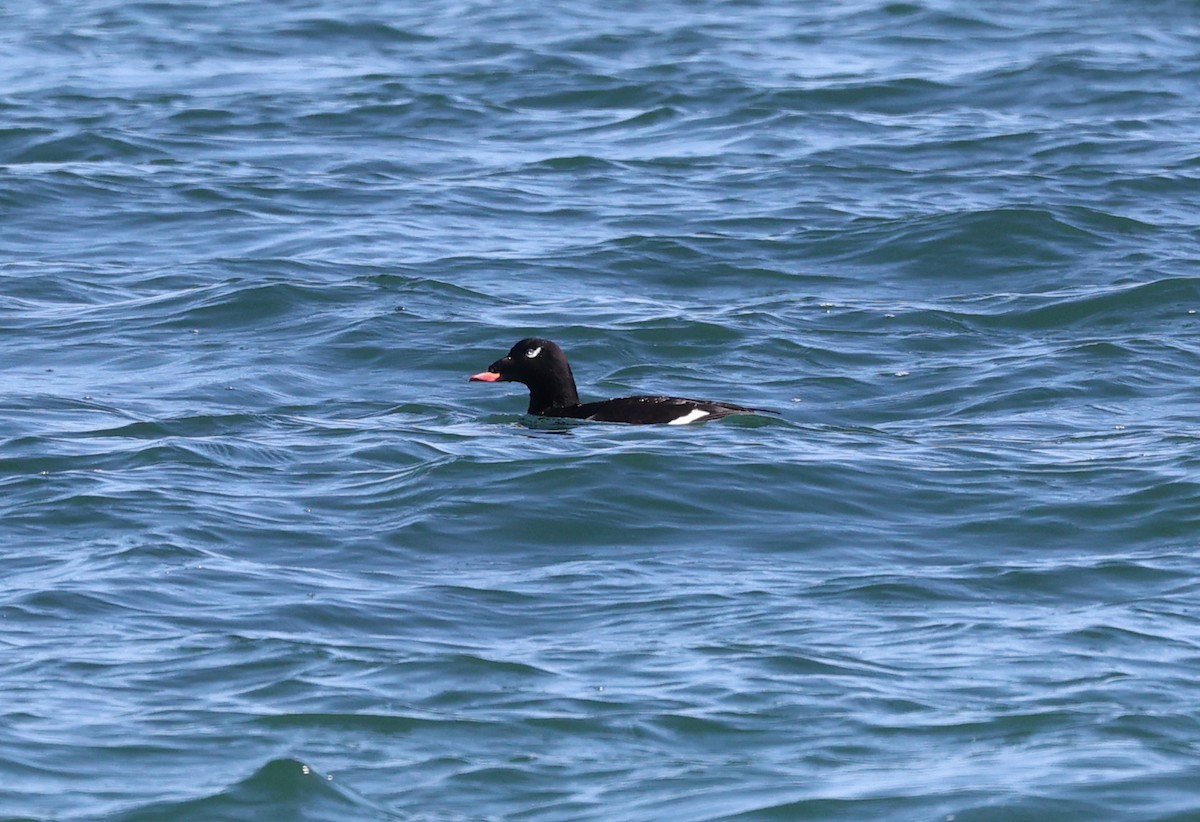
[(281, 789), (954, 245), (357, 32), (1107, 306), (85, 147)]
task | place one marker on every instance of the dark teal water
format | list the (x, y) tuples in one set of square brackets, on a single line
[(267, 555)]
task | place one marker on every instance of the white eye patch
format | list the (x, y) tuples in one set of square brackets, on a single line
[(533, 352)]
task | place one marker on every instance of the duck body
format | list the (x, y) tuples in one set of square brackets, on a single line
[(542, 367)]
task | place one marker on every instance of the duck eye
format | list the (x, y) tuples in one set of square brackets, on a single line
[(533, 352)]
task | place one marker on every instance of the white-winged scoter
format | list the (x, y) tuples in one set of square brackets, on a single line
[(542, 366)]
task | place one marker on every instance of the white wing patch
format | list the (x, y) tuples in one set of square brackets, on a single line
[(533, 352), (691, 416)]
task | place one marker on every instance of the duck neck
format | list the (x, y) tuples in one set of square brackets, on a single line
[(556, 393)]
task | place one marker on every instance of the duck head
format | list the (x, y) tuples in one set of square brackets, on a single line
[(542, 367)]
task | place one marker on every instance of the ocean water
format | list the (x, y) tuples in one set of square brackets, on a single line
[(266, 554)]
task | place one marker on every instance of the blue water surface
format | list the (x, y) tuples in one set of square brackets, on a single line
[(268, 555)]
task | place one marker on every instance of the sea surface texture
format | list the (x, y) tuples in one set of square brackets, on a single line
[(266, 554)]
